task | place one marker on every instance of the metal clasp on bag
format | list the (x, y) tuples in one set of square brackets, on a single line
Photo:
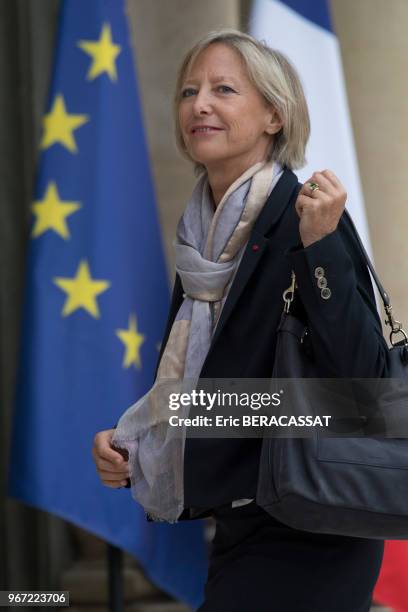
[(396, 326), (289, 294)]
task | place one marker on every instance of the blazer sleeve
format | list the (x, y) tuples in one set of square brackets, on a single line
[(335, 289)]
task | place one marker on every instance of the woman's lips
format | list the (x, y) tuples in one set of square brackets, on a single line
[(204, 130)]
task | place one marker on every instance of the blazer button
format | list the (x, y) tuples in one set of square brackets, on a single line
[(322, 282), (325, 293), (319, 271)]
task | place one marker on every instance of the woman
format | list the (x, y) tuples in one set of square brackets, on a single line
[(241, 117)]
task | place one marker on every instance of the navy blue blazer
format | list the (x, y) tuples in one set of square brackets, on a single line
[(345, 331)]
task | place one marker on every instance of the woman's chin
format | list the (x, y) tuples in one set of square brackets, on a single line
[(206, 158)]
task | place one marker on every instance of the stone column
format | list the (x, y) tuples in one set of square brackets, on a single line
[(374, 47)]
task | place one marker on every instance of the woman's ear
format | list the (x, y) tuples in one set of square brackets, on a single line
[(275, 123)]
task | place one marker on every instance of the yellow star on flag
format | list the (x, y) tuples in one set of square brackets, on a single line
[(51, 213), (132, 340), (103, 53), (81, 291), (59, 125)]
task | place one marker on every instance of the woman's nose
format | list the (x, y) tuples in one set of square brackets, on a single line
[(202, 103)]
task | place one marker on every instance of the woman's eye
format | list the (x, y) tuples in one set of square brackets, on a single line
[(186, 93), (190, 91), (225, 89)]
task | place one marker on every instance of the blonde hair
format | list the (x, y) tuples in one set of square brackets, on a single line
[(277, 81)]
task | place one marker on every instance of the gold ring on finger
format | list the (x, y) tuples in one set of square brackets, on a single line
[(313, 186)]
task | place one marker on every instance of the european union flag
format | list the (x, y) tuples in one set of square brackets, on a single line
[(96, 298)]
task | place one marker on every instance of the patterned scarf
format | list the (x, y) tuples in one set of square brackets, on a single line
[(209, 247)]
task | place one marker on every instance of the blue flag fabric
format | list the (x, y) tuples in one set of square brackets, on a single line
[(96, 298), (317, 11)]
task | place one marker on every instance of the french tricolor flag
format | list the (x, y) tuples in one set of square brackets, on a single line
[(303, 31)]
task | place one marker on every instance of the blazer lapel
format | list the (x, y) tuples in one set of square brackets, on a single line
[(268, 217)]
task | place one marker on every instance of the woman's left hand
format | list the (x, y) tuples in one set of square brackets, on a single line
[(321, 209)]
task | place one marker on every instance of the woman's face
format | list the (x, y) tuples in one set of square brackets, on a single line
[(223, 117)]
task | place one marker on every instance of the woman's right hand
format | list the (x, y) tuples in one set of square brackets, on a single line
[(111, 466)]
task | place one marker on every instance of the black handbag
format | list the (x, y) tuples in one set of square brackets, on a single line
[(351, 486)]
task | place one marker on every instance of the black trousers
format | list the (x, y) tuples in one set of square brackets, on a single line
[(257, 564)]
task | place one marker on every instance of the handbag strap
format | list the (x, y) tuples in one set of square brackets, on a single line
[(384, 295), (396, 326)]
